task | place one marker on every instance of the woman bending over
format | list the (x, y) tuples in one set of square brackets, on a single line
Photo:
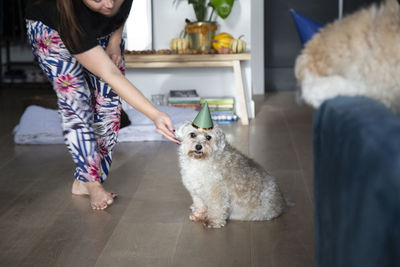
[(79, 46)]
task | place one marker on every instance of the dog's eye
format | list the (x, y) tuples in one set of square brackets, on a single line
[(193, 135), (208, 137)]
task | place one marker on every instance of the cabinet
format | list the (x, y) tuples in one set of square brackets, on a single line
[(19, 73)]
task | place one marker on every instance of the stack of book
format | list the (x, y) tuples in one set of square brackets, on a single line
[(184, 99), (222, 109)]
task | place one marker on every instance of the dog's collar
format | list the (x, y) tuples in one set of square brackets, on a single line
[(202, 129)]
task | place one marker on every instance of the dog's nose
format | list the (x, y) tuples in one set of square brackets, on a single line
[(198, 147)]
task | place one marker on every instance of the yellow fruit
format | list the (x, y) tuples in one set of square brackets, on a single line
[(179, 44), (222, 39), (237, 45)]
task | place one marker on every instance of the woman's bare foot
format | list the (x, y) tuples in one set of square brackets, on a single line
[(99, 197)]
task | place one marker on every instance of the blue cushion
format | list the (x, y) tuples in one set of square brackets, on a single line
[(357, 183)]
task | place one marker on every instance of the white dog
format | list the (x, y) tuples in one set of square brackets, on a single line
[(224, 184), (358, 55)]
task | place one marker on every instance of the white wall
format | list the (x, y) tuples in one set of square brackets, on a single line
[(257, 38), (168, 22)]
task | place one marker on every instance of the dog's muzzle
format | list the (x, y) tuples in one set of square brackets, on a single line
[(198, 149), (197, 152)]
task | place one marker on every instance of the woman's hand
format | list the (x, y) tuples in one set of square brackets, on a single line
[(113, 49), (114, 52), (164, 127)]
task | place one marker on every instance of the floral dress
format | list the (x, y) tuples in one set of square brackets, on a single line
[(89, 109)]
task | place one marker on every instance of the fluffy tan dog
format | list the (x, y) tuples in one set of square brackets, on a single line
[(224, 183), (358, 55)]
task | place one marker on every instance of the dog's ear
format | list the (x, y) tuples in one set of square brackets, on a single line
[(221, 140), (181, 132)]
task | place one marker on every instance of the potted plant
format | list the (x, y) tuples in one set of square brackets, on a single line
[(202, 31)]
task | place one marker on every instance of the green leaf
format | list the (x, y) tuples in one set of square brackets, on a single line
[(200, 8), (223, 7)]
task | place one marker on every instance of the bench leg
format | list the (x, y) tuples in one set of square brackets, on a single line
[(244, 117)]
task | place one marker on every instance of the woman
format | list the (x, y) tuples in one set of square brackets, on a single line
[(78, 44)]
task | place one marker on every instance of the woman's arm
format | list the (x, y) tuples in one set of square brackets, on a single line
[(99, 63)]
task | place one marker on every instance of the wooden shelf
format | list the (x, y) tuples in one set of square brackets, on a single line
[(187, 58)]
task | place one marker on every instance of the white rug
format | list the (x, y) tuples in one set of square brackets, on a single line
[(40, 125)]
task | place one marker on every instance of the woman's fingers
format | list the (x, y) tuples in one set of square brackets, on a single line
[(163, 130), (167, 136), (164, 127), (116, 59)]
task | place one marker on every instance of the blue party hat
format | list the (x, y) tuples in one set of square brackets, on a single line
[(306, 27)]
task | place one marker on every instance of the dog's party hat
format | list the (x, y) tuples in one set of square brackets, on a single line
[(203, 120), (306, 27)]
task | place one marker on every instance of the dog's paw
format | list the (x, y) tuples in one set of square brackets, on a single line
[(197, 216), (210, 223), (198, 213)]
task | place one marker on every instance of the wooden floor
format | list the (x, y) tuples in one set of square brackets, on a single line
[(42, 224)]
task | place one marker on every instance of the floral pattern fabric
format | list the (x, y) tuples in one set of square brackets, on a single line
[(90, 110)]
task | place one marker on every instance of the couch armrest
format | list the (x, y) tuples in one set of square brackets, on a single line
[(357, 183)]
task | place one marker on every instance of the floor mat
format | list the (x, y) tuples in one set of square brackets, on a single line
[(39, 125)]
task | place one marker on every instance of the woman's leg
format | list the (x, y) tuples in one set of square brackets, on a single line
[(107, 114), (75, 108)]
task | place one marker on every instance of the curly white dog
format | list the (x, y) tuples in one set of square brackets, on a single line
[(224, 184), (358, 55)]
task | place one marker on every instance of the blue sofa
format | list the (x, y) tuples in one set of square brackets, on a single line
[(357, 183)]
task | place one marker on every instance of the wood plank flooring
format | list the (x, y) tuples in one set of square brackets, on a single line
[(42, 224)]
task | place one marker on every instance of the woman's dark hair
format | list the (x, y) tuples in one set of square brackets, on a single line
[(68, 24)]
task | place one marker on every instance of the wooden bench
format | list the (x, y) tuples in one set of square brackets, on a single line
[(186, 61)]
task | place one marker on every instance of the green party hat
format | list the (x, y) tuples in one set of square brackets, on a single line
[(203, 120)]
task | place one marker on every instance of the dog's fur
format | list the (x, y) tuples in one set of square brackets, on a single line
[(358, 55), (224, 183)]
